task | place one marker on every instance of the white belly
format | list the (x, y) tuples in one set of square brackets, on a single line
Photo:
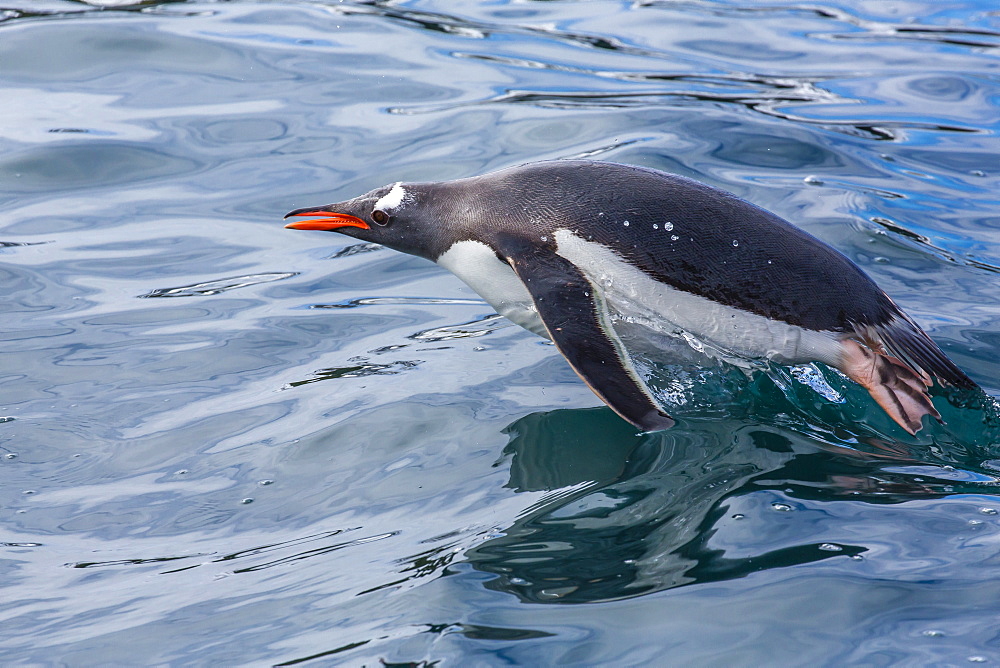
[(478, 266), (642, 300)]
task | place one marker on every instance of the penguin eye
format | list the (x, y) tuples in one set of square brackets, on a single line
[(380, 217)]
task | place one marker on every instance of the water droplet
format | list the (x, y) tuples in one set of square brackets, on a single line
[(857, 557), (988, 511), (479, 349), (181, 472), (769, 262), (29, 491), (246, 501), (10, 455), (7, 419), (265, 482), (625, 223), (975, 522), (977, 659), (738, 516), (977, 172), (544, 238), (735, 243), (781, 507), (629, 561), (932, 633), (881, 260), (831, 547), (518, 581), (667, 226), (674, 237), (812, 180), (655, 226)]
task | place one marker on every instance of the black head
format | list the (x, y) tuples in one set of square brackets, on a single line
[(415, 218)]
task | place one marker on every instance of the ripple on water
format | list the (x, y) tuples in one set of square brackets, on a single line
[(217, 286), (433, 488)]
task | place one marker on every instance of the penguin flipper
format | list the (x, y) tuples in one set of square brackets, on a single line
[(577, 320)]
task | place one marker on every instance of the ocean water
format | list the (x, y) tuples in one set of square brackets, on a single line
[(223, 442)]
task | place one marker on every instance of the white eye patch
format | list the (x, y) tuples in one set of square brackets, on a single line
[(392, 199)]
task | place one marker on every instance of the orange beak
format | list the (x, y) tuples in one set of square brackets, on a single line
[(329, 220)]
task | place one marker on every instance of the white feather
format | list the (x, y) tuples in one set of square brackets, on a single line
[(642, 300), (392, 199), (478, 266)]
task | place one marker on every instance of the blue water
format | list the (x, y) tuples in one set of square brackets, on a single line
[(224, 442)]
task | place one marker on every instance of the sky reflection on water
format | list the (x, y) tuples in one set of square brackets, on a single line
[(224, 442)]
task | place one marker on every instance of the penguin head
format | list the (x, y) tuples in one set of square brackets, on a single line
[(405, 217)]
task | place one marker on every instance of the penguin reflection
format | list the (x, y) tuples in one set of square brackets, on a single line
[(634, 514)]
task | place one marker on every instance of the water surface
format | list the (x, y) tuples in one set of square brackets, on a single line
[(224, 442)]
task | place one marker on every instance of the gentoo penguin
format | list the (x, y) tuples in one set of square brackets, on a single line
[(568, 248)]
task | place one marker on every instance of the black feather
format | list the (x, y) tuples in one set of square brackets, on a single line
[(904, 339)]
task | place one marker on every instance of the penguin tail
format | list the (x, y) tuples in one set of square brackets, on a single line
[(904, 339), (896, 362)]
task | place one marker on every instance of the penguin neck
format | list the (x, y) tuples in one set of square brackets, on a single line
[(478, 266)]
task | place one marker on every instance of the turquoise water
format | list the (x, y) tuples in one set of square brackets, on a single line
[(226, 442)]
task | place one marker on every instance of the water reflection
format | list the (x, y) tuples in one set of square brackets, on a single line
[(153, 146), (217, 286), (645, 513)]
